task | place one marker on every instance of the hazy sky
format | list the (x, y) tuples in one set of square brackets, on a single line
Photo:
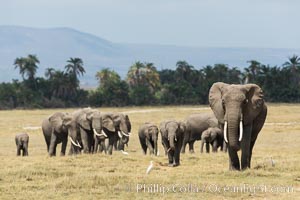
[(207, 23)]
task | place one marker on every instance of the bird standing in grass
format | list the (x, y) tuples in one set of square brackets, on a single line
[(124, 152), (149, 167)]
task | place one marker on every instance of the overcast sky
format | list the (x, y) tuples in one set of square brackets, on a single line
[(205, 23)]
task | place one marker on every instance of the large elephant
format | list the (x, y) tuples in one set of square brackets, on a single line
[(214, 137), (172, 137), (118, 134), (22, 140), (148, 135), (83, 125), (123, 127), (241, 111), (55, 132), (195, 125)]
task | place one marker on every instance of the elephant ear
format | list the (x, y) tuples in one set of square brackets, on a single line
[(128, 124), (84, 122), (255, 101), (116, 119), (162, 128), (56, 121), (182, 127), (215, 100), (108, 123), (205, 134)]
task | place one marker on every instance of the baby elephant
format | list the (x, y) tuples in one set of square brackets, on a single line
[(213, 136), (148, 134), (22, 140)]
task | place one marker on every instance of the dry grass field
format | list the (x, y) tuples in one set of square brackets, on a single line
[(121, 176)]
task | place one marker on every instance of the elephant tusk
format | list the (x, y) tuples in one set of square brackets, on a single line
[(241, 129), (75, 144), (103, 133), (225, 132), (119, 134), (127, 135), (99, 134)]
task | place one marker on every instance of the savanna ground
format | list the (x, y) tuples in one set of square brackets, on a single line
[(123, 176)]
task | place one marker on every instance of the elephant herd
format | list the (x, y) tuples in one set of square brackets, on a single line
[(87, 130), (239, 113)]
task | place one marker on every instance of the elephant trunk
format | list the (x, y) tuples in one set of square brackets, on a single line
[(233, 130), (155, 147), (172, 142)]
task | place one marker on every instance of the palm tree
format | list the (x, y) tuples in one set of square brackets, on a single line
[(49, 72), (184, 69), (294, 65), (135, 74), (27, 66), (75, 67), (20, 63)]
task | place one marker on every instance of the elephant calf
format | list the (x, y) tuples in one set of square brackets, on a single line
[(22, 140), (213, 136), (148, 135)]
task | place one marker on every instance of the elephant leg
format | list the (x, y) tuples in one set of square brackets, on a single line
[(144, 147), (191, 146), (54, 152), (225, 147), (18, 150), (52, 149), (184, 143), (250, 153), (102, 146), (245, 147), (96, 144), (25, 149), (215, 146), (63, 146), (207, 147), (202, 145), (171, 158), (85, 140), (111, 141), (234, 163), (177, 153), (91, 143), (116, 144), (150, 147)]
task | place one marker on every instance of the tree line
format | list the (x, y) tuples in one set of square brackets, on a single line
[(143, 85)]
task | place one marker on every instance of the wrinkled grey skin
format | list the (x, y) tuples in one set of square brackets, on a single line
[(81, 128), (55, 132), (172, 137), (148, 135), (195, 125), (121, 126), (22, 140), (214, 137), (235, 103)]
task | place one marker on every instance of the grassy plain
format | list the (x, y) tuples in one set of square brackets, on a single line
[(123, 176)]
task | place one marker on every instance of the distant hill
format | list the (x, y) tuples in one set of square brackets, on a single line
[(56, 45)]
